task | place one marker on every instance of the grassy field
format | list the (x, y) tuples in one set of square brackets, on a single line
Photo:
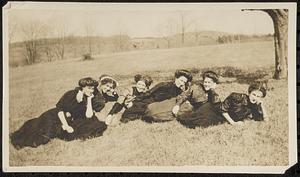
[(34, 89)]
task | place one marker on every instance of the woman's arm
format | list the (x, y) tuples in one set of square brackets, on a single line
[(65, 125), (117, 107), (89, 109), (264, 112), (180, 99), (230, 120), (259, 112), (226, 105)]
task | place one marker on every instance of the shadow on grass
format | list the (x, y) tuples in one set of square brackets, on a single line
[(232, 74)]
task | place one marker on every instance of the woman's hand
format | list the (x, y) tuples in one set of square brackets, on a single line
[(259, 101), (68, 128), (109, 119), (79, 96), (68, 114), (111, 92), (175, 110), (89, 109), (129, 105), (91, 96)]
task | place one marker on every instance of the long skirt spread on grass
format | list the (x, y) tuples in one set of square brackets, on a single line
[(41, 130), (160, 111), (204, 116), (137, 111)]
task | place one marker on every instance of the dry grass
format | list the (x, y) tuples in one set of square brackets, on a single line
[(34, 89)]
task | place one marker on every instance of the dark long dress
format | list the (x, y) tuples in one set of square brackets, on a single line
[(237, 105), (159, 102), (205, 108), (138, 108), (47, 126)]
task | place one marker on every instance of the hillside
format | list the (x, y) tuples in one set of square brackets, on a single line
[(48, 50)]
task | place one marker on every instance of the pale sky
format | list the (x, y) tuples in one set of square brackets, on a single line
[(142, 20)]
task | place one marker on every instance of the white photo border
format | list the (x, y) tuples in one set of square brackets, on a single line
[(292, 8)]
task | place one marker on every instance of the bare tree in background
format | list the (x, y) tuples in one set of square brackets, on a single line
[(166, 30), (90, 32), (32, 31), (280, 22), (61, 34), (197, 33), (120, 40), (47, 44), (184, 25)]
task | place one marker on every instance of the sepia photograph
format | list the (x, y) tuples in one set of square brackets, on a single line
[(151, 87)]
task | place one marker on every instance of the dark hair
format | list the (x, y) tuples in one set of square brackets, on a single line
[(258, 86), (104, 79), (184, 73), (212, 75), (87, 81), (147, 79)]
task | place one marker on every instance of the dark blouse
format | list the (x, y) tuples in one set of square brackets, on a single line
[(100, 98), (138, 96), (239, 107), (161, 92), (68, 103), (197, 96), (135, 92)]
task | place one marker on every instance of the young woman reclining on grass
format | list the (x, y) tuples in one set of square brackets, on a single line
[(110, 98), (130, 103), (72, 118), (203, 98), (163, 97), (234, 109)]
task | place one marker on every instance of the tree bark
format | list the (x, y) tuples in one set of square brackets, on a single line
[(280, 21)]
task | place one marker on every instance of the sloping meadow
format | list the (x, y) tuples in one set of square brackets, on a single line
[(162, 144)]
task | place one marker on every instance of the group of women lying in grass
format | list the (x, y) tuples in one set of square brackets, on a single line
[(78, 113)]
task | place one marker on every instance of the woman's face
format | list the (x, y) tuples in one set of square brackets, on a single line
[(107, 88), (255, 96), (180, 82), (88, 90), (141, 86), (208, 84)]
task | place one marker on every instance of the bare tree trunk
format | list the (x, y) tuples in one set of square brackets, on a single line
[(280, 21), (31, 51)]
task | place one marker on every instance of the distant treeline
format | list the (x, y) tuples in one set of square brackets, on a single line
[(50, 49), (242, 38)]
